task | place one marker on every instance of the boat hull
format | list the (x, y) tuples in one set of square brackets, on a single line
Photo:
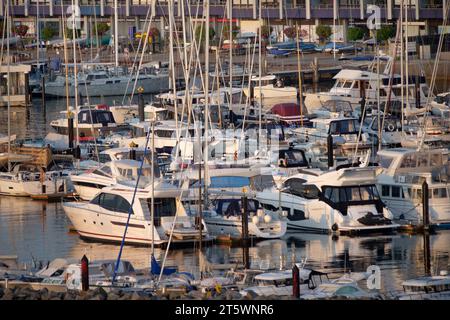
[(156, 84)]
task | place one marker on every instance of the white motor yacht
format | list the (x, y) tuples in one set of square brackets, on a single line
[(427, 288), (99, 83), (271, 88), (352, 85), (29, 181), (89, 122), (344, 201), (88, 184), (400, 183), (104, 218)]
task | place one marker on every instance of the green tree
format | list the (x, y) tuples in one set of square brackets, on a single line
[(200, 33), (226, 32), (101, 28), (355, 33), (69, 33), (47, 33), (385, 32), (323, 32)]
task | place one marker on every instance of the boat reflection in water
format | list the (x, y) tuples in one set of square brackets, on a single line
[(33, 228)]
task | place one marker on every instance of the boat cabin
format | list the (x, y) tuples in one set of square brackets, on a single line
[(433, 284), (94, 116), (404, 161)]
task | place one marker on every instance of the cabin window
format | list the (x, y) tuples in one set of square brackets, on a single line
[(269, 207), (422, 160), (122, 205), (112, 202), (164, 133), (103, 117), (103, 158), (164, 207), (436, 159), (107, 170), (385, 191), (100, 173), (297, 187), (395, 192), (261, 182), (344, 127), (409, 161), (340, 83), (385, 162), (297, 215), (439, 193), (347, 84)]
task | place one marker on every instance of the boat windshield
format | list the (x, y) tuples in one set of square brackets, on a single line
[(292, 158), (347, 126), (341, 195)]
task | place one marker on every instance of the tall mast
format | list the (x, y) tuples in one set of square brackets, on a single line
[(172, 75), (260, 68), (8, 32), (230, 16), (205, 154), (334, 28), (116, 34), (401, 66), (75, 71), (406, 54), (37, 33)]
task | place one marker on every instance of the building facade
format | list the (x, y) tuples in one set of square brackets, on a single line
[(425, 16)]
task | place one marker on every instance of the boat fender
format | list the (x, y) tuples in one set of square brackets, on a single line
[(267, 218), (335, 227), (255, 219)]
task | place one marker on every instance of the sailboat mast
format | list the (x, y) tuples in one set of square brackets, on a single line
[(260, 68), (334, 27), (116, 34), (8, 32), (299, 66), (230, 16), (37, 33), (406, 54), (402, 84), (206, 114), (75, 72)]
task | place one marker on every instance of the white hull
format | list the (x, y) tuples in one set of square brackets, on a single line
[(109, 227), (154, 84), (232, 226), (32, 188)]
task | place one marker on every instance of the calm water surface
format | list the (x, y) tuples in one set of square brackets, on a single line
[(41, 230)]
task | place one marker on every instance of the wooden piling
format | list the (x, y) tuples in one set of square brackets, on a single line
[(84, 273), (330, 151), (295, 282), (425, 206)]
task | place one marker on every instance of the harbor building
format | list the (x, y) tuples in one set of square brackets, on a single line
[(425, 16)]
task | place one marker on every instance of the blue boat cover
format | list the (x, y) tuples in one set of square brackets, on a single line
[(229, 182), (156, 268)]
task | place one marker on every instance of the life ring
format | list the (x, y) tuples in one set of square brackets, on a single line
[(390, 127), (335, 227)]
